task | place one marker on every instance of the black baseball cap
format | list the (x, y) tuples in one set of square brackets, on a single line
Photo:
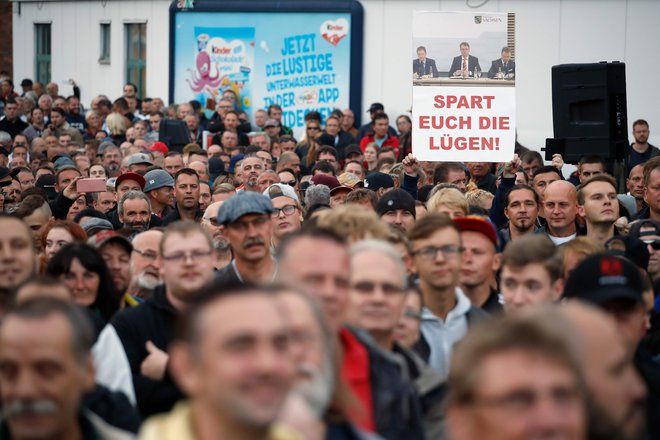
[(636, 227), (376, 106), (602, 278), (396, 199), (377, 180), (629, 247), (352, 149)]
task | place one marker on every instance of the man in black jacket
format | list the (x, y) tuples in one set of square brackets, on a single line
[(11, 123), (615, 285), (376, 299), (186, 191), (146, 331)]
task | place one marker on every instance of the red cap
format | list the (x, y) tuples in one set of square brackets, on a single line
[(159, 146), (324, 179), (130, 176), (477, 223)]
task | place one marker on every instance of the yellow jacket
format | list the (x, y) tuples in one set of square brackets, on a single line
[(176, 425)]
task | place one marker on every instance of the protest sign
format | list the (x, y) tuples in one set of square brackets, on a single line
[(464, 124), (461, 111)]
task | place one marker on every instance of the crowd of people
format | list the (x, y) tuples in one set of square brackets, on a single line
[(327, 287)]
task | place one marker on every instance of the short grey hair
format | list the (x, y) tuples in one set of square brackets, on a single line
[(383, 248), (265, 135), (132, 195)]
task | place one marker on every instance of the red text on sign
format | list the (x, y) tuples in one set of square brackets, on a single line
[(461, 143), (450, 122), (473, 102)]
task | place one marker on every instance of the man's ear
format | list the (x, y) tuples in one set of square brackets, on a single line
[(497, 262), (182, 367), (89, 374), (557, 289)]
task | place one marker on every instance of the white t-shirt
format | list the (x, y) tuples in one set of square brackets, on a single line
[(561, 240)]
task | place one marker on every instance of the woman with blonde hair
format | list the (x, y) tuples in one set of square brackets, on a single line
[(478, 197), (306, 148), (117, 126), (450, 201), (573, 252), (354, 224)]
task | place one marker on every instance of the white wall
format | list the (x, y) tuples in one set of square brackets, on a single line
[(548, 32), (75, 43)]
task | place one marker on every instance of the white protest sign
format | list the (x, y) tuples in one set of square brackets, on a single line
[(463, 75), (464, 124)]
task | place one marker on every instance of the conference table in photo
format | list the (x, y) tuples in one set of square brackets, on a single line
[(464, 82)]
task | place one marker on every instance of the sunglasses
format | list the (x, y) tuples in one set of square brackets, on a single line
[(290, 182), (655, 244)]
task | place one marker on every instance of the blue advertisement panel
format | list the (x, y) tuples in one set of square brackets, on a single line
[(299, 60)]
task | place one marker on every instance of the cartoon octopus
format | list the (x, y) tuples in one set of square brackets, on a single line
[(205, 79)]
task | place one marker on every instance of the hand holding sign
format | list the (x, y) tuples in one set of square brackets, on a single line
[(410, 165), (511, 167), (557, 161)]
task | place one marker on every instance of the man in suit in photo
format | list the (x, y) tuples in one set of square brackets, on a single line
[(464, 64), (503, 68), (424, 67)]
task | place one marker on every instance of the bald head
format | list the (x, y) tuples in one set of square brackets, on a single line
[(592, 326), (615, 389), (145, 262), (561, 187), (210, 223), (212, 210), (147, 237), (560, 208)]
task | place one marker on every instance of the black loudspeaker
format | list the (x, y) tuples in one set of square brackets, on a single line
[(174, 134), (589, 111)]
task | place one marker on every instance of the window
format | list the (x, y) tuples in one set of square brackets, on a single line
[(136, 55), (104, 49), (42, 52)]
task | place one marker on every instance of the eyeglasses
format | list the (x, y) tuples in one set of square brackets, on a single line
[(181, 257), (410, 313), (290, 182), (213, 221), (149, 255), (430, 252), (655, 244), (286, 209), (370, 286)]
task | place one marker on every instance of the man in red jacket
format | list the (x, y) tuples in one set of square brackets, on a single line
[(380, 135)]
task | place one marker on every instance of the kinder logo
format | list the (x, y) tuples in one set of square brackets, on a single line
[(334, 31), (219, 46), (220, 50)]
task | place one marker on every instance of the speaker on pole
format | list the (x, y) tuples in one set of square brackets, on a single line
[(589, 111)]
